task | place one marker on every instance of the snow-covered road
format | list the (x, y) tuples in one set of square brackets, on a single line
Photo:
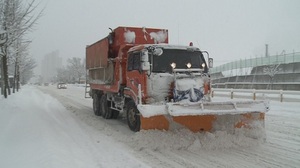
[(48, 127)]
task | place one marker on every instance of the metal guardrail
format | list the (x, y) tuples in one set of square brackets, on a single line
[(281, 95)]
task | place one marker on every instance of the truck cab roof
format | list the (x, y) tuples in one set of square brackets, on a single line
[(164, 46)]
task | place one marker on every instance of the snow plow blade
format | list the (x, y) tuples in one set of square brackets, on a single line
[(199, 117)]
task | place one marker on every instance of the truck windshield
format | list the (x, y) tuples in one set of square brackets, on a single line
[(180, 57)]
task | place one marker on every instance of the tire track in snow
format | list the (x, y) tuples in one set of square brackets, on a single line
[(201, 159)]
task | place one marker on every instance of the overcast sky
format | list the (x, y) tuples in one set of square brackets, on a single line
[(229, 29)]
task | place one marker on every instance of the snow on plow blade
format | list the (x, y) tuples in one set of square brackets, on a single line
[(208, 116)]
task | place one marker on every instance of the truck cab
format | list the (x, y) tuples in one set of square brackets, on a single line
[(160, 68)]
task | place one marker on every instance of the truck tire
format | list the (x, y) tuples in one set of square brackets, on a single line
[(106, 111), (96, 105), (133, 116)]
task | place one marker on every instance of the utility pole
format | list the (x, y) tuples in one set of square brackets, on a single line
[(267, 50)]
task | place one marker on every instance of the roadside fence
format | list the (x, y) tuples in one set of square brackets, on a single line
[(279, 95)]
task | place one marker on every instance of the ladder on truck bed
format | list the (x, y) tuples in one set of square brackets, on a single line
[(87, 91), (87, 86)]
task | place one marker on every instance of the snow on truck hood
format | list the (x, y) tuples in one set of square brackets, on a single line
[(188, 83), (160, 85)]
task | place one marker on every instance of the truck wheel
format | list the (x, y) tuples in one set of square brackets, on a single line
[(96, 105), (133, 117), (106, 111)]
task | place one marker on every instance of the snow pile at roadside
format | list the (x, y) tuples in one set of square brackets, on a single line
[(183, 139), (36, 130)]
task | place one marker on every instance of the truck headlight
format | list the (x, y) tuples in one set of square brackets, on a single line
[(173, 65), (189, 65)]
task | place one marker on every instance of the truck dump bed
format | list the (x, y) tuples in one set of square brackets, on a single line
[(101, 70)]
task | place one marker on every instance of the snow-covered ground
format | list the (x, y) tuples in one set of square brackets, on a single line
[(48, 127)]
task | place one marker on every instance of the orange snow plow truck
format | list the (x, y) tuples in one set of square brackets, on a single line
[(135, 72)]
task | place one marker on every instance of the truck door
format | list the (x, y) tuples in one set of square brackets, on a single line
[(135, 75)]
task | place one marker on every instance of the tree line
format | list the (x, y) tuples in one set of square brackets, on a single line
[(74, 72), (17, 18)]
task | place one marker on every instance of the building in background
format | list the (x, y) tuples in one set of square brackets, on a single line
[(49, 66)]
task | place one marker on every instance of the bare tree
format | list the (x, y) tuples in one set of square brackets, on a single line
[(16, 19), (19, 57), (272, 70), (27, 64), (63, 75), (76, 67)]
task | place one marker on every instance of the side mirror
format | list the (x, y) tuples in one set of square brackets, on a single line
[(210, 62), (145, 65), (144, 56)]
